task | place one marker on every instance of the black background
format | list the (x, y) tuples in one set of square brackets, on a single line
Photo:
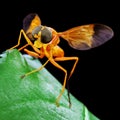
[(95, 80)]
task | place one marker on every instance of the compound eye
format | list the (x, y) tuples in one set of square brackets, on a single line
[(46, 35), (36, 31)]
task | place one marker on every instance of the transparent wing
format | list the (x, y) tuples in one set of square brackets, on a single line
[(87, 36), (31, 21)]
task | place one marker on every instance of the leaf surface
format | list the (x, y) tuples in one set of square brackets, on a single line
[(34, 96)]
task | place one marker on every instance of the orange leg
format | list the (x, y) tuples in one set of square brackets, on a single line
[(34, 54), (23, 47), (19, 39), (64, 84), (28, 43), (36, 70), (68, 58), (65, 78)]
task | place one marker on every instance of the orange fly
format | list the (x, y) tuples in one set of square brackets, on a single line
[(44, 40)]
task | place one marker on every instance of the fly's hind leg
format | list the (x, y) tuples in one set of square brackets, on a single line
[(66, 59), (65, 78), (73, 68)]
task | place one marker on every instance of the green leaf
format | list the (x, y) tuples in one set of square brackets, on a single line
[(34, 96)]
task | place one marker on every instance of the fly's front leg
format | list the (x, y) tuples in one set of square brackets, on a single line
[(34, 54), (19, 40)]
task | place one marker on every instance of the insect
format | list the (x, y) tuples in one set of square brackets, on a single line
[(44, 40)]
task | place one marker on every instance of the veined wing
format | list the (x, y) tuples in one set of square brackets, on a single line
[(87, 36)]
